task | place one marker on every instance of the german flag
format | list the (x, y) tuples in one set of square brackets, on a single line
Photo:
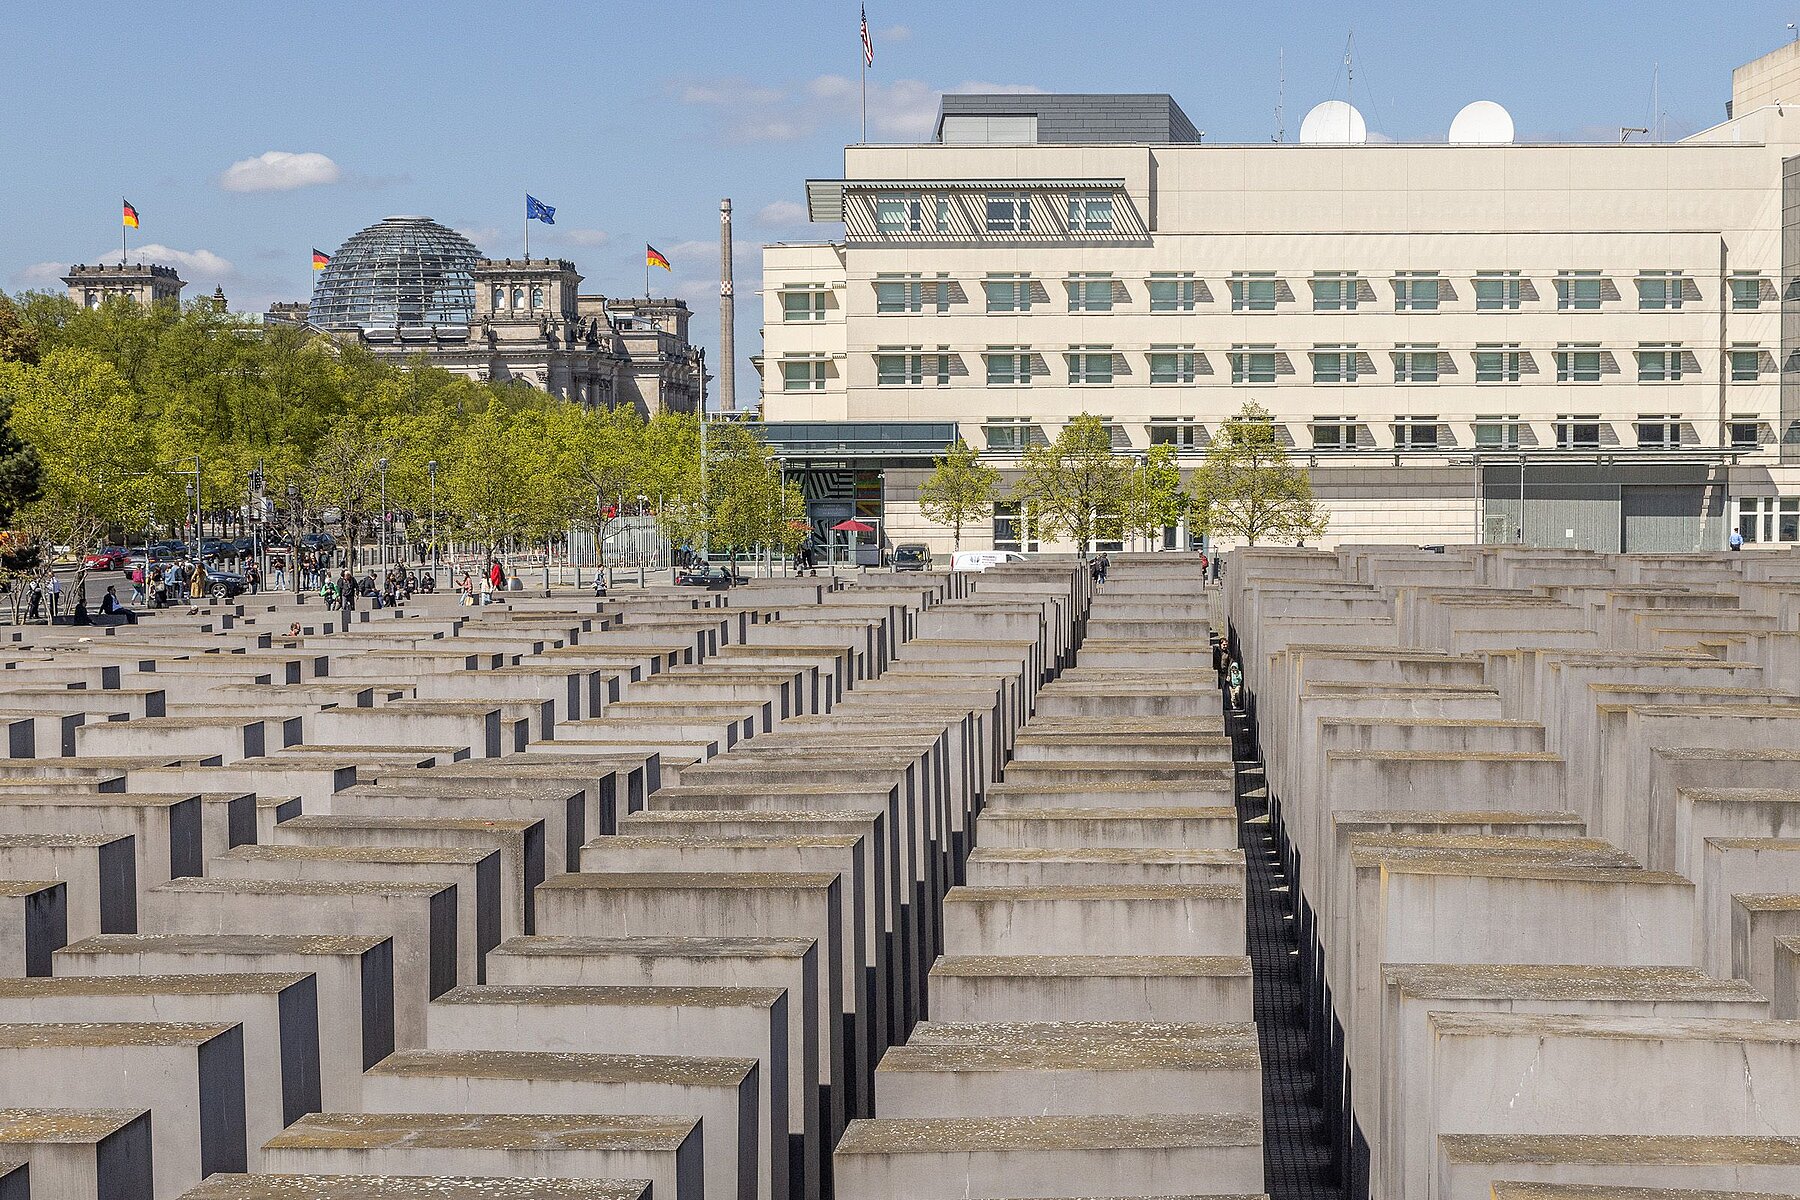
[(320, 258), (654, 258), (129, 215)]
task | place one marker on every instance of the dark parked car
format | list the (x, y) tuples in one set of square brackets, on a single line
[(912, 556), (224, 585), (173, 548), (320, 542), (707, 576)]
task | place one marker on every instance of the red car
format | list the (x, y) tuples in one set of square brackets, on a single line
[(106, 558)]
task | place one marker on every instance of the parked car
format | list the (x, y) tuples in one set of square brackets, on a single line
[(707, 576), (224, 585), (911, 556), (173, 548), (318, 542), (981, 560), (106, 558)]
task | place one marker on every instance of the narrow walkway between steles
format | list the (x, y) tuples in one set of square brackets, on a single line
[(1296, 1145)]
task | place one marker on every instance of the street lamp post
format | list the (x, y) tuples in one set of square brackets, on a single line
[(383, 465), (431, 531)]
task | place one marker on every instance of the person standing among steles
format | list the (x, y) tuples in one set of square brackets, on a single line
[(347, 593)]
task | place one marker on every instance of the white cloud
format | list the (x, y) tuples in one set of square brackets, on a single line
[(782, 212), (905, 109), (587, 237), (279, 171), (893, 33), (197, 264), (39, 276)]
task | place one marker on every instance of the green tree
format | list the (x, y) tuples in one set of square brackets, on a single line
[(1072, 486), (498, 463), (18, 341), (1152, 498), (1248, 490), (745, 504), (959, 490), (21, 471)]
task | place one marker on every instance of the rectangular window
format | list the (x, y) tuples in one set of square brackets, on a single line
[(1173, 293), (1416, 433), (1659, 364), (902, 366), (911, 294), (1007, 293), (1335, 364), (1092, 366), (1498, 362), (1416, 364), (803, 375), (1182, 432), (803, 304), (1253, 291), (1769, 518), (1578, 363), (1090, 293), (1746, 292), (1498, 290), (908, 212), (1660, 290), (1497, 432), (1253, 364), (1173, 364), (1658, 432), (1009, 527), (1577, 433), (1009, 214), (1335, 291), (1334, 433), (1578, 290), (1746, 364), (1008, 366), (1416, 291), (1090, 214), (1745, 432)]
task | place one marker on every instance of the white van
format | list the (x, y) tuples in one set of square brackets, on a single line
[(981, 560)]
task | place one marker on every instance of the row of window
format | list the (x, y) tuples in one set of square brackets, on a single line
[(1265, 291), (1572, 431), (519, 303), (1333, 364), (1001, 213)]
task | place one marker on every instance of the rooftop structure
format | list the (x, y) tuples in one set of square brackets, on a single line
[(403, 273), (146, 283)]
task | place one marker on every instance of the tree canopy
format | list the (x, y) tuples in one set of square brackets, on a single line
[(1073, 486), (1247, 488), (960, 489)]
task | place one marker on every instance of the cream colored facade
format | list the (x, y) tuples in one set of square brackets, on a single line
[(1438, 310)]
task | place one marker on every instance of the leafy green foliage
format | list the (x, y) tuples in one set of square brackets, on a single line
[(1152, 497), (1074, 485), (1248, 490), (959, 491)]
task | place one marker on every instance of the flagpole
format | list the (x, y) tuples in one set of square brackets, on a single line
[(122, 203), (863, 57)]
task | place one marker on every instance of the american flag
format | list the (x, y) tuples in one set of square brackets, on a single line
[(868, 46)]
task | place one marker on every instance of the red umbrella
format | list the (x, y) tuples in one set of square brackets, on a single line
[(853, 526)]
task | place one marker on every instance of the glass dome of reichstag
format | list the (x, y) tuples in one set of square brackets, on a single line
[(401, 273)]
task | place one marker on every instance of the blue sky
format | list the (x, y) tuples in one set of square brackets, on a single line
[(633, 119)]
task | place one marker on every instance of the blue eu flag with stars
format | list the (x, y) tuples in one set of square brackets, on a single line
[(537, 210)]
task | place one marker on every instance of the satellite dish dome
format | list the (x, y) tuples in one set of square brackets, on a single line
[(1482, 123), (1335, 122)]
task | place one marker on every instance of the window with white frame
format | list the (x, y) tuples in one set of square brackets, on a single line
[(1659, 290), (1498, 362), (911, 294), (1416, 364), (1253, 364), (1173, 364), (1746, 363), (1090, 366), (1416, 433), (1007, 435), (1008, 366), (803, 304), (1744, 431), (1254, 291), (1769, 518), (803, 375), (909, 212), (1417, 291), (1090, 292), (1497, 291), (1578, 362), (1497, 431), (1580, 290), (1333, 433), (1008, 213), (1009, 527), (1173, 292), (1658, 431), (1008, 293), (1746, 291), (1090, 214), (1335, 291), (1578, 432), (1181, 432), (1335, 364), (1659, 363), (910, 366)]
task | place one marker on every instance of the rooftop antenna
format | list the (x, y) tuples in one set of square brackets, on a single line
[(1656, 113), (1280, 95), (1626, 131)]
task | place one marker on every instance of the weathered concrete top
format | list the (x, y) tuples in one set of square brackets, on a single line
[(26, 887), (701, 841), (1486, 981), (248, 983), (1653, 1029), (413, 1187), (1107, 854), (1078, 1051), (1777, 845), (225, 943), (940, 1135), (1742, 795), (393, 855), (1485, 816), (715, 881), (299, 887), (1607, 1149), (1730, 753), (998, 894), (677, 1070), (1544, 872), (492, 1131), (1092, 966), (71, 841), (1075, 1033), (613, 996), (1206, 813), (1769, 901), (77, 1035), (72, 1125), (697, 946)]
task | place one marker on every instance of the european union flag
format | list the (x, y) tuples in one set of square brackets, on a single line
[(537, 210)]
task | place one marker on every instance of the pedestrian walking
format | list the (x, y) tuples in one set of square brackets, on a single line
[(34, 603), (55, 595), (253, 579), (1737, 539)]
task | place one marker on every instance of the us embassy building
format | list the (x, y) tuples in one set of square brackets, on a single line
[(1480, 339)]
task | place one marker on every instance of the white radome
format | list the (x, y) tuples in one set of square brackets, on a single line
[(1335, 122), (1483, 123)]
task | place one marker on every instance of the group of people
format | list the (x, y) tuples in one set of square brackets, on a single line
[(385, 591), (175, 583), (485, 589)]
